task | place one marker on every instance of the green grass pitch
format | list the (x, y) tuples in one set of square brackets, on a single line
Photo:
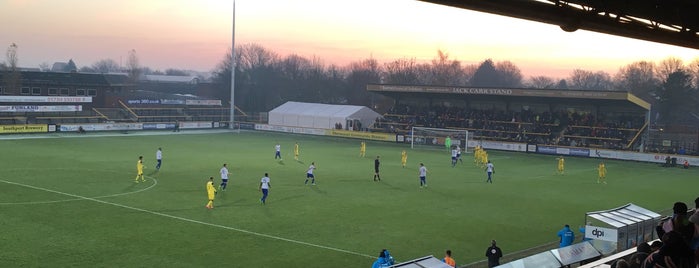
[(72, 202)]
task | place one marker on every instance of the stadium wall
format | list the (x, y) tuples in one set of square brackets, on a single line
[(494, 145), (329, 132), (47, 128), (584, 152)]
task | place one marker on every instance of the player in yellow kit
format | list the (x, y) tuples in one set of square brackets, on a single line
[(211, 192), (561, 165), (362, 149), (484, 158), (139, 169), (477, 155), (296, 151), (602, 173), (403, 158)]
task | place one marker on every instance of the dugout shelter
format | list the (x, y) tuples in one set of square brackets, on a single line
[(628, 225), (422, 262)]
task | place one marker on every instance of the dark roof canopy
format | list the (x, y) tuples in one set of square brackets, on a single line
[(60, 78), (482, 93), (673, 22)]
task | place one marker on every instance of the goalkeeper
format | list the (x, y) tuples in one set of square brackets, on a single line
[(447, 143)]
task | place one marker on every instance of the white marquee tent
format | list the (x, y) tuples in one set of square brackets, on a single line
[(317, 115)]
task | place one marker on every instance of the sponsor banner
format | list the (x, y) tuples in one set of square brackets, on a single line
[(171, 102), (501, 91), (531, 148), (250, 126), (299, 130), (31, 128), (52, 128), (579, 152), (203, 102), (361, 135), (38, 108), (498, 145), (150, 126), (600, 233), (575, 253), (563, 151), (643, 157), (186, 125), (101, 127), (546, 149), (44, 99), (143, 101), (400, 138), (154, 101)]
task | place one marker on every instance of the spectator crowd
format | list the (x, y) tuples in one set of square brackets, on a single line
[(566, 128)]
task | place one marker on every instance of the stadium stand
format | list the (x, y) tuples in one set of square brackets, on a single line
[(559, 127), (576, 118)]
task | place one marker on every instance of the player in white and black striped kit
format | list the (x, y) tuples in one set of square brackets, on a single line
[(309, 174), (159, 158), (224, 177), (423, 175)]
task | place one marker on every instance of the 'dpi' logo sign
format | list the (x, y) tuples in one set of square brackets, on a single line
[(601, 233)]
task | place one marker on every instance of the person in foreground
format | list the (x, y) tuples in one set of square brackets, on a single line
[(385, 260), (494, 254), (448, 259), (566, 235)]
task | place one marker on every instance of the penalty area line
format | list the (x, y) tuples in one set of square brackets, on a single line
[(193, 221)]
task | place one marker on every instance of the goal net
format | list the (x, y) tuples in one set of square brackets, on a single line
[(423, 137)]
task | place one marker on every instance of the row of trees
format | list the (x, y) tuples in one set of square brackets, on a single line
[(264, 79)]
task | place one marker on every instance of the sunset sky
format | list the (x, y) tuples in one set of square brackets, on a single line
[(195, 34)]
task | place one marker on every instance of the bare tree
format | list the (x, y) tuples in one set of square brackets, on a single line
[(106, 66), (13, 77), (638, 78), (446, 71), (669, 66), (295, 66), (587, 80), (176, 72), (251, 56), (468, 71), (693, 70), (401, 71), (133, 67), (510, 74), (257, 82), (360, 74), (541, 81), (12, 59)]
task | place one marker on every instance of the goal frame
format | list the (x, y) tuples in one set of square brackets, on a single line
[(463, 142)]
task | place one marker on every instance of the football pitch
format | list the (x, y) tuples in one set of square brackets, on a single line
[(72, 202)]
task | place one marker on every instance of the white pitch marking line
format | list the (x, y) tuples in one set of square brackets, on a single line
[(193, 221), (155, 182)]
